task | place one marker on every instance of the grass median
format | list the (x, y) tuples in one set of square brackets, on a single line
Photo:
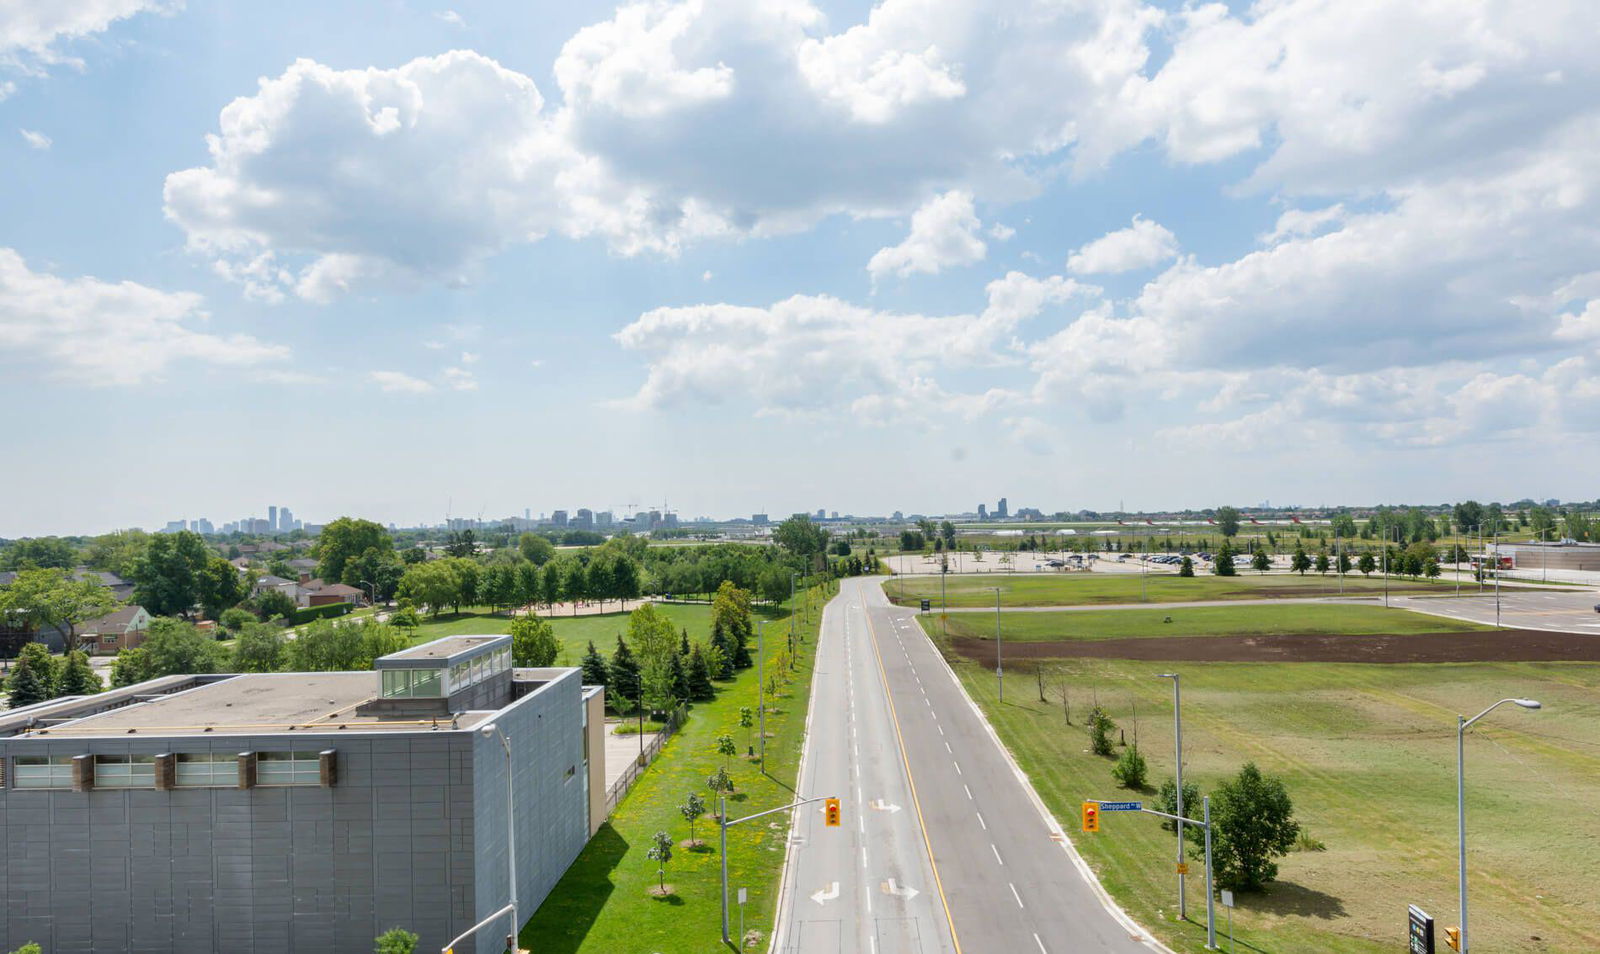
[(1081, 589), (602, 904), (1367, 752)]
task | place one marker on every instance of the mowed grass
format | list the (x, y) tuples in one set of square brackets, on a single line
[(601, 905), (1081, 589), (573, 631), (1251, 620), (1368, 755)]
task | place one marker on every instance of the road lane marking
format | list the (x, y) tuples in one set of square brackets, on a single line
[(982, 822), (916, 801), (947, 748), (955, 763), (1041, 944), (968, 791), (1014, 894), (996, 853)]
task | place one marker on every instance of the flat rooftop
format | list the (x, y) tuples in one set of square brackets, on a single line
[(443, 650), (255, 704)]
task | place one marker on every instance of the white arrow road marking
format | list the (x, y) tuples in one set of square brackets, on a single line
[(883, 806), (826, 894), (902, 890)]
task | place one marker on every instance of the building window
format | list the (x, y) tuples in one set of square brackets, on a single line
[(109, 640), (125, 771), (288, 768), (207, 770), (43, 771), (413, 683)]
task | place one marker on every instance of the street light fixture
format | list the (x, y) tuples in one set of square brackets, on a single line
[(491, 731), (1462, 724), (1177, 734)]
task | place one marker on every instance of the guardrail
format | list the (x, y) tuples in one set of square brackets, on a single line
[(639, 763)]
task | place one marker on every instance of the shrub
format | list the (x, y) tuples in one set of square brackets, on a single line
[(1130, 768), (1254, 821), (1100, 729), (326, 611), (396, 941)]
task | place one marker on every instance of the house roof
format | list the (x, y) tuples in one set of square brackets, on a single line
[(341, 589), (270, 580), (303, 563), (116, 621)]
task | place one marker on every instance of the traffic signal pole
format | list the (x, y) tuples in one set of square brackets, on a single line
[(1093, 809), (724, 824)]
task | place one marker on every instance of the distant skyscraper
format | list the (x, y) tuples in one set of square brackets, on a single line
[(173, 526), (822, 514), (558, 518), (1000, 509), (285, 519), (983, 512), (759, 519), (272, 518), (584, 519), (899, 516), (203, 527), (604, 519), (527, 513)]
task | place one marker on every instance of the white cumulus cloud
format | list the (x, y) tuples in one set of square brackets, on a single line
[(33, 32), (100, 333), (1140, 245), (36, 140), (944, 234), (399, 382)]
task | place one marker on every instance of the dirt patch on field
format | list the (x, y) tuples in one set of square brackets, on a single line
[(1506, 645)]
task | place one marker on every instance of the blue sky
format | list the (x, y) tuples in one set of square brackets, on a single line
[(393, 258)]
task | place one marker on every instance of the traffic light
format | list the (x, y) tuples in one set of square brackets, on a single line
[(831, 812), (1452, 937), (1091, 816)]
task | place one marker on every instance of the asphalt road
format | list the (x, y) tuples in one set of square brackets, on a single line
[(1564, 611), (891, 728)]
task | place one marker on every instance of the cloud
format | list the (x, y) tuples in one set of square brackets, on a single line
[(944, 234), (468, 357), (816, 353), (33, 33), (451, 17), (101, 333), (399, 382), (1141, 245), (460, 379), (37, 140), (1001, 233)]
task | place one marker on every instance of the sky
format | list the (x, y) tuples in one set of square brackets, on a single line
[(406, 260)]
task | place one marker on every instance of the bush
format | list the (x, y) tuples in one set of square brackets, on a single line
[(533, 642), (1254, 822), (1168, 797), (235, 619), (325, 611), (1187, 569), (1100, 730), (396, 941), (1130, 768)]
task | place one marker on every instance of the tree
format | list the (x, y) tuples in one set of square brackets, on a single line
[(692, 808), (533, 642), (175, 647), (131, 666), (1228, 521), (234, 620), (536, 549), (726, 748), (327, 646), (167, 579), (1430, 569), (1130, 768), (273, 604), (656, 642), (77, 678), (117, 552), (42, 598), (346, 539), (217, 587), (1322, 563), (1100, 729), (700, 687), (1168, 797), (730, 616), (801, 537), (25, 684), (595, 670), (1224, 562), (747, 719), (623, 686), (720, 781), (396, 941), (947, 532), (678, 677), (498, 586), (1366, 564), (1186, 568), (1300, 563), (530, 588), (1261, 561), (461, 544), (259, 648), (433, 584), (1343, 563), (552, 583), (660, 852), (1253, 821), (38, 553)]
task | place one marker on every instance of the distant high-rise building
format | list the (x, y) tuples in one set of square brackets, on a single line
[(584, 520), (558, 518), (604, 519), (203, 527), (173, 526), (272, 518), (899, 516), (1000, 509), (285, 519), (983, 512), (759, 519), (821, 514), (527, 513), (835, 515), (669, 521)]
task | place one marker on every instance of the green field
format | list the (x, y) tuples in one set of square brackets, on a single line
[(601, 905), (1253, 620), (1081, 589), (1368, 755)]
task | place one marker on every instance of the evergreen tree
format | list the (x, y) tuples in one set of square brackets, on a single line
[(1224, 564), (595, 670), (624, 684), (683, 646), (77, 679), (723, 655), (25, 685), (679, 678), (1366, 564), (700, 687), (1187, 568), (45, 666), (1261, 561), (1300, 563)]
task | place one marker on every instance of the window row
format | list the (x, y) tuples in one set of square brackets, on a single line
[(438, 683), (186, 770)]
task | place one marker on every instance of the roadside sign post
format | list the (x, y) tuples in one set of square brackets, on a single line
[(723, 824), (1091, 815), (1227, 902), (742, 896), (1419, 931)]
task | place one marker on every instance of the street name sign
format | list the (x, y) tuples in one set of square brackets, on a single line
[(1122, 806)]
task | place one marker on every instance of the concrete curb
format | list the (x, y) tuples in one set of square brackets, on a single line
[(784, 886)]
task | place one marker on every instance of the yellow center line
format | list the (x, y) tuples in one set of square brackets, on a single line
[(916, 803)]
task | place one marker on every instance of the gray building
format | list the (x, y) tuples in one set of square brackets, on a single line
[(296, 812)]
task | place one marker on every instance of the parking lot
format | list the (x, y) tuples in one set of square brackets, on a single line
[(1561, 610)]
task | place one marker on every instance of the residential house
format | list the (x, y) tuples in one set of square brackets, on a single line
[(120, 588), (124, 628), (316, 592)]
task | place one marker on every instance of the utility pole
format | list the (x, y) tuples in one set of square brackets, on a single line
[(1177, 734), (761, 688)]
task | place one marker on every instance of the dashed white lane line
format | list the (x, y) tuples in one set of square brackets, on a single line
[(1014, 894), (991, 848), (967, 790), (981, 821), (947, 748), (955, 763), (941, 729), (1041, 944)]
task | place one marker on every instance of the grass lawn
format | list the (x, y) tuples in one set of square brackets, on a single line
[(573, 631), (1199, 621), (1368, 755), (1081, 589), (601, 905)]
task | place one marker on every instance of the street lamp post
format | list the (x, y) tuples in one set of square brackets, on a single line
[(491, 731), (761, 688), (1177, 734), (373, 590), (999, 664), (1462, 724)]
